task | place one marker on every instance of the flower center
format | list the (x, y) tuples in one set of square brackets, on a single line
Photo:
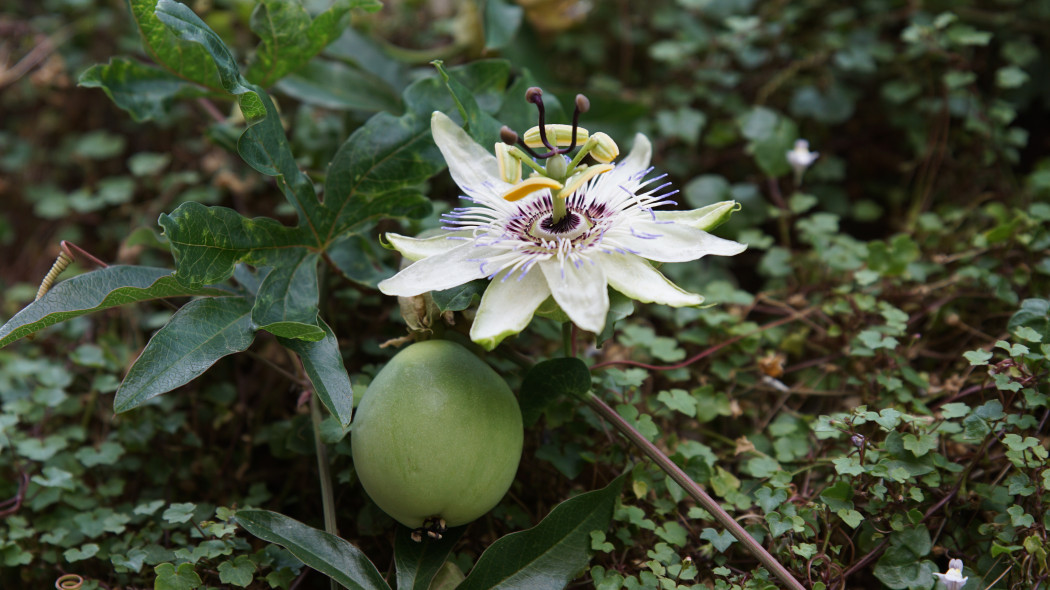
[(569, 227)]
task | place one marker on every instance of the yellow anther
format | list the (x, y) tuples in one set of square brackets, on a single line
[(529, 186), (604, 148), (558, 135), (577, 180), (509, 166)]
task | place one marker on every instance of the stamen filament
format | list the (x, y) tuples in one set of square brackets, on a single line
[(535, 96), (528, 161), (587, 146)]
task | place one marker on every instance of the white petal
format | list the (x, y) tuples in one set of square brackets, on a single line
[(705, 218), (420, 248), (641, 153), (675, 242), (507, 307), (580, 291), (436, 273), (635, 162), (474, 168), (636, 279)]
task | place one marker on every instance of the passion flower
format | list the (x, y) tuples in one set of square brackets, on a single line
[(569, 231)]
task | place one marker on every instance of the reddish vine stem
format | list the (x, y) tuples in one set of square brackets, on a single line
[(70, 247), (16, 502), (694, 490), (708, 351), (213, 111)]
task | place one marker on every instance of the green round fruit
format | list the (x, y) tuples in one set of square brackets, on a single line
[(437, 435)]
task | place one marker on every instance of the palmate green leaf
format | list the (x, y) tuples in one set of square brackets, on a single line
[(169, 578), (295, 330), (367, 52), (459, 297), (487, 80), (289, 37), (1033, 314), (548, 555), (324, 366), (286, 303), (182, 21), (338, 86), (144, 91), (238, 571), (418, 562), (481, 126), (95, 291), (370, 174), (502, 20), (326, 553), (186, 60), (376, 172), (200, 333), (355, 257), (263, 145), (208, 242)]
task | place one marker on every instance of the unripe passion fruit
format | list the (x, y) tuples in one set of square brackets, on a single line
[(437, 435)]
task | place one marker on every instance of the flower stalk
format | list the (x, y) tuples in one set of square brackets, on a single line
[(694, 490)]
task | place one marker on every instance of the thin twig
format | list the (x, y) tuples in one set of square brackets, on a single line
[(32, 59)]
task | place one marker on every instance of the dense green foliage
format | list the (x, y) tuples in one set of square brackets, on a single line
[(867, 395)]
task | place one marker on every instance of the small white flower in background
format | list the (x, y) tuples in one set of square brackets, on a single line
[(569, 231), (801, 158), (953, 579)]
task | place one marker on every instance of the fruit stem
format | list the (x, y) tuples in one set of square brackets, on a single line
[(566, 339), (324, 472), (695, 490)]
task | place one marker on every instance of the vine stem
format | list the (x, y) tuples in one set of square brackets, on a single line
[(324, 472), (694, 490)]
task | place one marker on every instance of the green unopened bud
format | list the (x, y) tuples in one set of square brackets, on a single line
[(557, 135), (603, 149)]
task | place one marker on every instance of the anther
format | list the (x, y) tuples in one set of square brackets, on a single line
[(582, 104), (534, 95), (507, 135), (529, 186), (509, 166)]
